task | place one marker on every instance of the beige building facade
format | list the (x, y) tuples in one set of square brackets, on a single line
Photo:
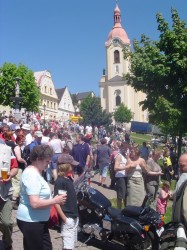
[(49, 99), (113, 88)]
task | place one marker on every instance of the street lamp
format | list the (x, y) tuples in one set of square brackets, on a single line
[(44, 113)]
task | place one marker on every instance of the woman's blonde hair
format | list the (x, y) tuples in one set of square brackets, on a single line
[(63, 169)]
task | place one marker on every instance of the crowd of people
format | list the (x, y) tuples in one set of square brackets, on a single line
[(36, 157)]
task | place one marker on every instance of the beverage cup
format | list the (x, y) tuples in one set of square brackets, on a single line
[(4, 173), (60, 192)]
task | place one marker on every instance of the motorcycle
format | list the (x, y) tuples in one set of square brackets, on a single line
[(136, 228)]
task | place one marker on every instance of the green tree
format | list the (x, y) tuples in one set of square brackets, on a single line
[(74, 99), (92, 113), (28, 89), (159, 69), (123, 114)]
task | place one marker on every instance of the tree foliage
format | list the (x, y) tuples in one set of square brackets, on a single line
[(28, 89), (123, 114), (159, 69), (74, 99), (92, 113)]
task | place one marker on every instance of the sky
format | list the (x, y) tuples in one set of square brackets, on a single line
[(67, 37)]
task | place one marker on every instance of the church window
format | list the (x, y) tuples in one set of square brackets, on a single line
[(116, 56), (117, 93), (118, 100)]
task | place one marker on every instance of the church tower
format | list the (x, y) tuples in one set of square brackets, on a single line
[(117, 40), (113, 88)]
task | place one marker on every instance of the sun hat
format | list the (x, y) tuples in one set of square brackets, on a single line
[(26, 126), (38, 134), (67, 159)]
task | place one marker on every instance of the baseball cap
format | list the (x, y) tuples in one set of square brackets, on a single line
[(67, 159), (38, 134), (17, 127), (26, 126)]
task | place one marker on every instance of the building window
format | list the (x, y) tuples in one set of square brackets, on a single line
[(116, 56), (50, 91), (117, 68), (48, 104), (54, 105), (51, 105), (45, 89), (65, 105), (118, 100)]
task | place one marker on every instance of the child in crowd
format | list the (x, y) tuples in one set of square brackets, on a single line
[(163, 197), (68, 213)]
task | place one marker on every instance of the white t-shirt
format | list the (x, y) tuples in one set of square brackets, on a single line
[(45, 140), (56, 146), (88, 129), (28, 139)]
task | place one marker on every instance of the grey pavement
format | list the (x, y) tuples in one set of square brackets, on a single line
[(55, 236)]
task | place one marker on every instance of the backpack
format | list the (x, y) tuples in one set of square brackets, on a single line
[(174, 235), (26, 154), (53, 222), (69, 144)]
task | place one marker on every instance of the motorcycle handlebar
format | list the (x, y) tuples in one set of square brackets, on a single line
[(85, 176)]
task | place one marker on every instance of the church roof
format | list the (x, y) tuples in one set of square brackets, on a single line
[(116, 79), (117, 31), (60, 93)]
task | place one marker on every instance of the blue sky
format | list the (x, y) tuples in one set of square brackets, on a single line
[(67, 37)]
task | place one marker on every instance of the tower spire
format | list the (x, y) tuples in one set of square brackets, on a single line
[(117, 14)]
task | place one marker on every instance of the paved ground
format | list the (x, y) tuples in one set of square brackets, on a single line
[(56, 239)]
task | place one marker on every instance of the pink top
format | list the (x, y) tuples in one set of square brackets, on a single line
[(161, 203)]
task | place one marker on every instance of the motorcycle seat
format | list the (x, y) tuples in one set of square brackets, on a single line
[(113, 212), (132, 211)]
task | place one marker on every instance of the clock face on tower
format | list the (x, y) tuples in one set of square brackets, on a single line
[(115, 41)]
